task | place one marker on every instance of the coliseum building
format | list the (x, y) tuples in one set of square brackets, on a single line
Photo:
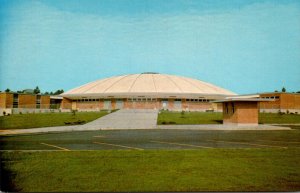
[(146, 91), (143, 91)]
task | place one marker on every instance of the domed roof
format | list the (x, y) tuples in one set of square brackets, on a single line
[(147, 84)]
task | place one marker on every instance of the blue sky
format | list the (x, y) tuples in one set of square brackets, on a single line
[(244, 46)]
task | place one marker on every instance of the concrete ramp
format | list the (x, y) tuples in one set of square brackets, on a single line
[(126, 119)]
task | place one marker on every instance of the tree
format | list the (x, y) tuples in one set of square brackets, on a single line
[(36, 90), (7, 90), (283, 89), (276, 90), (58, 92), (46, 93)]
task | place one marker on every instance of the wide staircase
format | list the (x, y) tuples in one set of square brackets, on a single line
[(126, 119)]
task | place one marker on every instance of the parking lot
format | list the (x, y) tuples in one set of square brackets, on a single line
[(151, 139)]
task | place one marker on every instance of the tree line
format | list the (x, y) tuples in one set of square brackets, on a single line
[(36, 90), (284, 90)]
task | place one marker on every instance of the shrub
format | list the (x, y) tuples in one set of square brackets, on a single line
[(74, 112), (182, 114)]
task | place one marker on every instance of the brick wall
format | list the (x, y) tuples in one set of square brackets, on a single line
[(2, 100), (285, 101), (141, 104), (9, 100), (97, 105), (27, 101), (240, 113), (197, 105), (45, 102), (297, 101), (66, 103)]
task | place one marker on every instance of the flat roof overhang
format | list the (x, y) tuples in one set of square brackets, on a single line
[(244, 100), (145, 95), (56, 97)]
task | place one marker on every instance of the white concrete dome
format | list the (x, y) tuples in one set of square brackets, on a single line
[(148, 85)]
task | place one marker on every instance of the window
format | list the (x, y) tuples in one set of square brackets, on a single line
[(177, 99), (38, 101), (15, 101), (232, 106), (226, 108)]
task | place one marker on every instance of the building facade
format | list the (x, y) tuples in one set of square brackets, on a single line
[(240, 112), (14, 103), (282, 102), (143, 91), (146, 91)]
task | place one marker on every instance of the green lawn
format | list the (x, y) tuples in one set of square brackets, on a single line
[(25, 121), (154, 170), (270, 118), (169, 117)]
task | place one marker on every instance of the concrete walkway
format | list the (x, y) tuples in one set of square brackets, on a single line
[(122, 119), (135, 119), (126, 119), (224, 127)]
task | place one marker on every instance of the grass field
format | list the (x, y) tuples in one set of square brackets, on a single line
[(152, 160), (169, 117), (24, 121), (163, 170), (268, 118)]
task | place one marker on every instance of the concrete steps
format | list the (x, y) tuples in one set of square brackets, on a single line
[(126, 119)]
